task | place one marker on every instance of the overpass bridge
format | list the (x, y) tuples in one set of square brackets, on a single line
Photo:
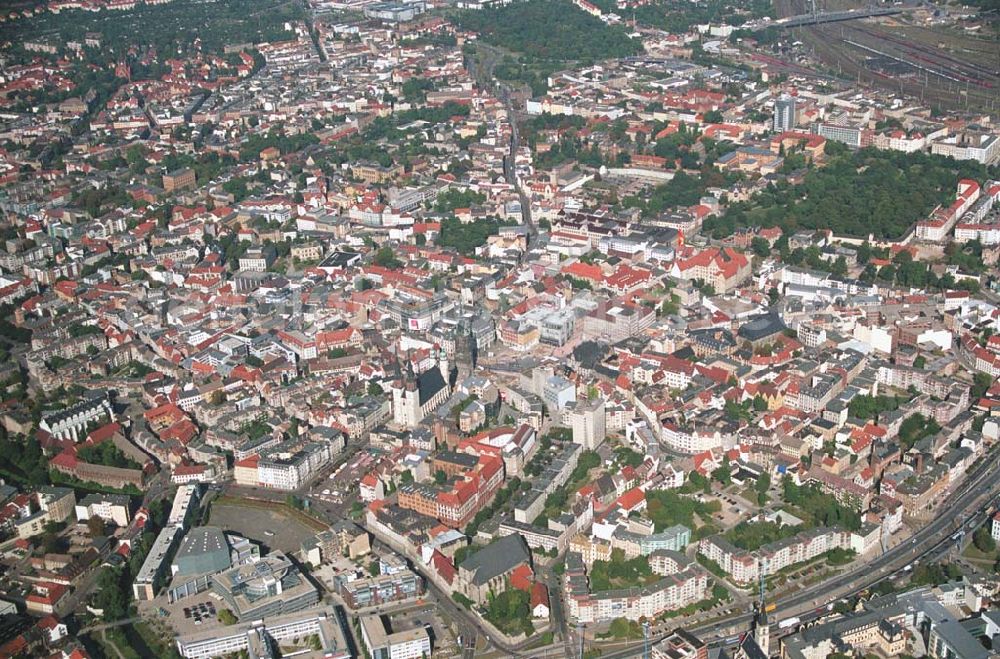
[(817, 18)]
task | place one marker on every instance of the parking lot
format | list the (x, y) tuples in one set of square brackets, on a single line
[(199, 612), (428, 617), (188, 615), (734, 510), (274, 529)]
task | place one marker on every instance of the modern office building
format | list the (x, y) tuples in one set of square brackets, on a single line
[(384, 644), (267, 635), (202, 551), (383, 589), (272, 586)]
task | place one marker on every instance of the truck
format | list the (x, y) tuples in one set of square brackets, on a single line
[(788, 623)]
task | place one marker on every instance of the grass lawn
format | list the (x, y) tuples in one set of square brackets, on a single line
[(544, 640), (973, 553), (155, 642), (114, 644)]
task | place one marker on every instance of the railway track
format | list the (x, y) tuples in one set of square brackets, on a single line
[(949, 66), (828, 45)]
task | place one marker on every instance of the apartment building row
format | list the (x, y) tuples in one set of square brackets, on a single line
[(467, 493), (746, 567), (683, 583)]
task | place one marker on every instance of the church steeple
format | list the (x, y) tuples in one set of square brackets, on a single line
[(761, 628), (409, 379), (445, 366)]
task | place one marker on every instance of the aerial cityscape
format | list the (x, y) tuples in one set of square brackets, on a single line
[(397, 329)]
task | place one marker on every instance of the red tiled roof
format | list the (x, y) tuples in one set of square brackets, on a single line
[(631, 499), (539, 595), (521, 577), (443, 566)]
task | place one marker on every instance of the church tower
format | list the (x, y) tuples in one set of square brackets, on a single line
[(445, 366), (406, 398), (466, 351), (761, 628)]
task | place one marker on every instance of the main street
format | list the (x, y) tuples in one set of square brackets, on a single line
[(483, 71)]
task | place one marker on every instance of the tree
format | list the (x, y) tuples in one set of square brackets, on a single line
[(699, 482), (670, 307), (669, 507), (984, 541), (440, 477), (843, 607), (95, 526), (981, 383), (734, 411), (839, 267), (462, 599), (226, 617), (510, 611), (465, 238), (723, 475), (713, 117), (915, 428), (623, 628), (51, 543), (821, 509), (856, 193), (386, 258), (869, 407), (763, 482), (760, 246), (762, 486), (111, 594)]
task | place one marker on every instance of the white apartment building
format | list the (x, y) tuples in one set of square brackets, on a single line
[(112, 508), (694, 441), (289, 469), (588, 420), (984, 149), (670, 593), (381, 644)]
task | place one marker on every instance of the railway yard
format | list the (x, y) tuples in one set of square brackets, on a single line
[(943, 63)]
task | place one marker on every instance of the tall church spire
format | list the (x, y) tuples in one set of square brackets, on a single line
[(761, 628)]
